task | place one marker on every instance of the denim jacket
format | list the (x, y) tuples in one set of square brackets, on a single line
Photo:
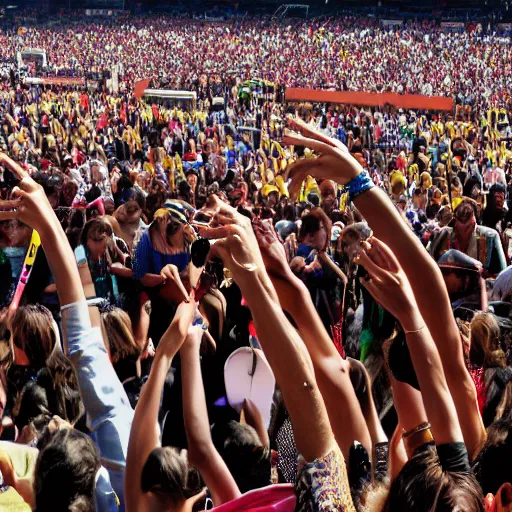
[(109, 414)]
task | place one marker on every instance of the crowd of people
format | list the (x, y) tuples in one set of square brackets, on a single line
[(252, 304), (347, 53)]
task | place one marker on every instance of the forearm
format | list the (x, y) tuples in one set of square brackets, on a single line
[(144, 434), (124, 272), (152, 280), (332, 373), (436, 396), (102, 392), (420, 269), (408, 404), (86, 280), (293, 369), (195, 413), (145, 422)]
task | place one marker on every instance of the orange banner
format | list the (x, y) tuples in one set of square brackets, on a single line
[(62, 80), (409, 101)]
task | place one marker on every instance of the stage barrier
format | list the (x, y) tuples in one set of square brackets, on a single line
[(371, 99)]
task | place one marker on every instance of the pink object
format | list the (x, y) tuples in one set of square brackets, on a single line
[(98, 203), (277, 498), (102, 122)]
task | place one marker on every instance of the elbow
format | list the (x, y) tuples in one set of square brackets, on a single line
[(199, 453), (460, 382), (335, 367), (334, 372)]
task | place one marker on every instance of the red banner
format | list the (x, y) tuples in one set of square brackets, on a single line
[(409, 101), (140, 87)]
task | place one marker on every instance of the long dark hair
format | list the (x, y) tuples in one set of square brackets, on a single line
[(489, 466), (424, 486), (168, 475), (65, 472), (32, 332), (54, 391)]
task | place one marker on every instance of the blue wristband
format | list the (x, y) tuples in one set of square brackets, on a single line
[(356, 186)]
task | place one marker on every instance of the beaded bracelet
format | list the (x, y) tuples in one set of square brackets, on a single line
[(356, 186)]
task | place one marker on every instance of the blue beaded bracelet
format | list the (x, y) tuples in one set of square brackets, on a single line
[(356, 186)]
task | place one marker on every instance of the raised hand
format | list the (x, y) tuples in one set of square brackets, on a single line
[(194, 337), (335, 162), (272, 250), (173, 338), (387, 282), (236, 243), (191, 502)]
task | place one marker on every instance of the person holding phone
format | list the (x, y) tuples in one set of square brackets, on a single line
[(161, 255)]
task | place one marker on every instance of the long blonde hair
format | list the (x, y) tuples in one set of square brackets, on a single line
[(485, 349)]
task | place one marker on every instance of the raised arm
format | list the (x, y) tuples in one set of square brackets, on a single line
[(389, 286), (32, 207), (282, 345), (145, 432), (331, 371), (107, 406), (337, 164), (202, 454)]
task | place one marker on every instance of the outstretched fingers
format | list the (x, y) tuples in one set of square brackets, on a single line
[(13, 214), (222, 219), (174, 274), (320, 147), (312, 133), (218, 232), (221, 207), (372, 287)]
